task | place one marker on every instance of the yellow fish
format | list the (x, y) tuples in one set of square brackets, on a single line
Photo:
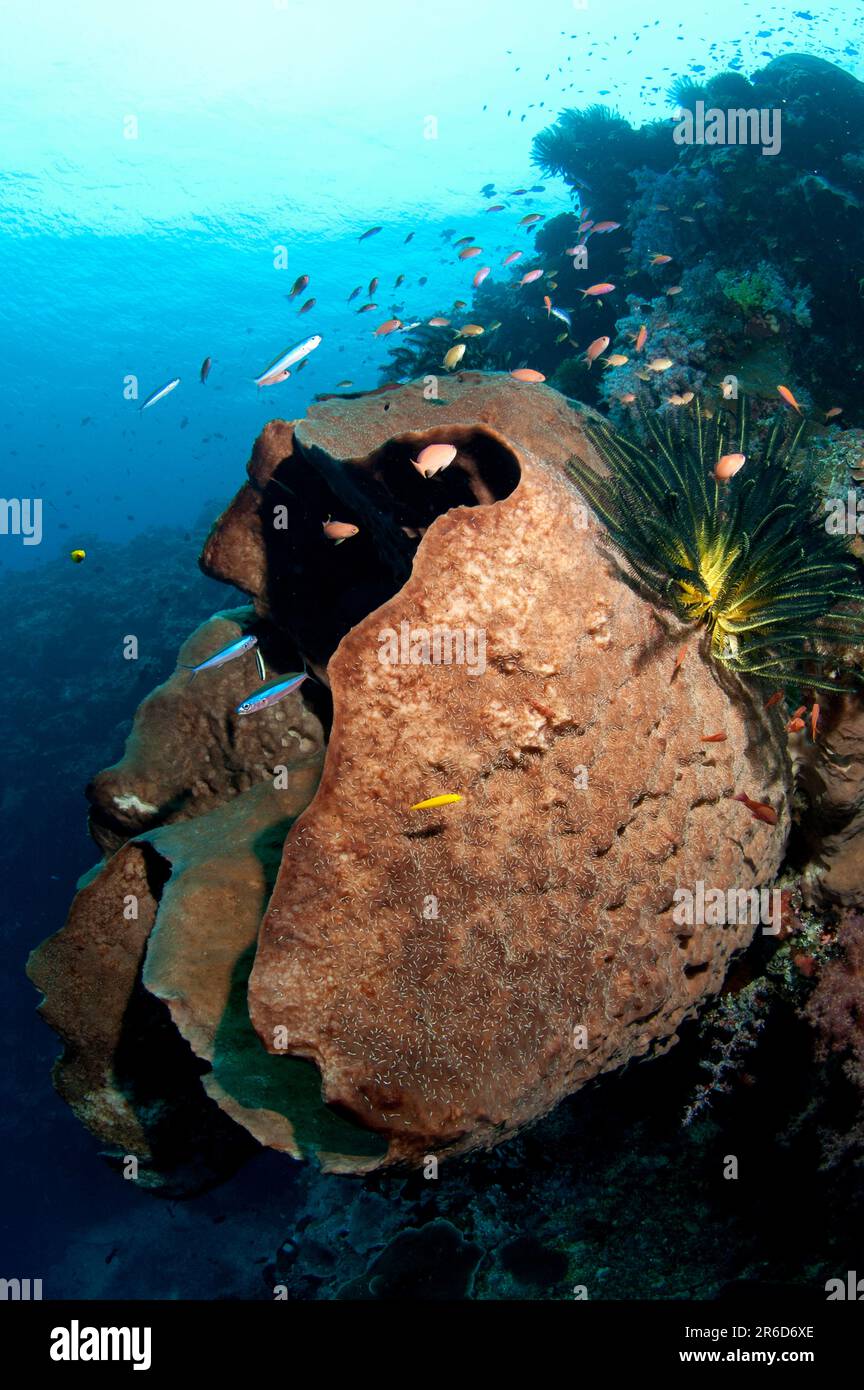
[(446, 800), (77, 555), (470, 330), (454, 356)]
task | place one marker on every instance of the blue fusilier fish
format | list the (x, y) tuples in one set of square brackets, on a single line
[(229, 653), (271, 694), (158, 394)]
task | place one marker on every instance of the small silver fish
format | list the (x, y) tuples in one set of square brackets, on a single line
[(229, 653), (563, 315), (158, 394), (270, 694)]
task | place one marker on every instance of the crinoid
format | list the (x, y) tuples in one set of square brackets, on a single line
[(750, 558)]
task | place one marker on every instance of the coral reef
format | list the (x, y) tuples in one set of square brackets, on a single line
[(835, 1010), (451, 975), (748, 289)]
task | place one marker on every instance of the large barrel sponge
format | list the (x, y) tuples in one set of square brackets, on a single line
[(455, 972), (439, 977)]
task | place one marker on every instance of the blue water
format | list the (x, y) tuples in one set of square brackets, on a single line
[(260, 132), (267, 130)]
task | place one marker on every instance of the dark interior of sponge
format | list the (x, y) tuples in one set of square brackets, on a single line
[(318, 590)]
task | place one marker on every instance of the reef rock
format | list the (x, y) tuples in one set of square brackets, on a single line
[(187, 752), (832, 775), (146, 985)]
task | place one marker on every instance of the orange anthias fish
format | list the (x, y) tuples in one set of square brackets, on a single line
[(531, 218), (795, 726), (527, 374), (593, 350), (758, 809), (786, 395), (773, 699), (547, 304), (833, 412), (299, 286), (606, 227), (514, 256), (469, 252), (339, 531), (814, 720), (373, 285), (603, 288), (660, 260), (679, 662), (274, 378), (433, 458), (480, 276), (389, 326), (641, 338), (530, 276), (727, 466), (714, 738)]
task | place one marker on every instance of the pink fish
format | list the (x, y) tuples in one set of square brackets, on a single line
[(603, 288), (727, 466), (594, 350), (601, 227), (339, 530), (433, 458), (530, 276), (469, 252), (481, 275), (514, 256)]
